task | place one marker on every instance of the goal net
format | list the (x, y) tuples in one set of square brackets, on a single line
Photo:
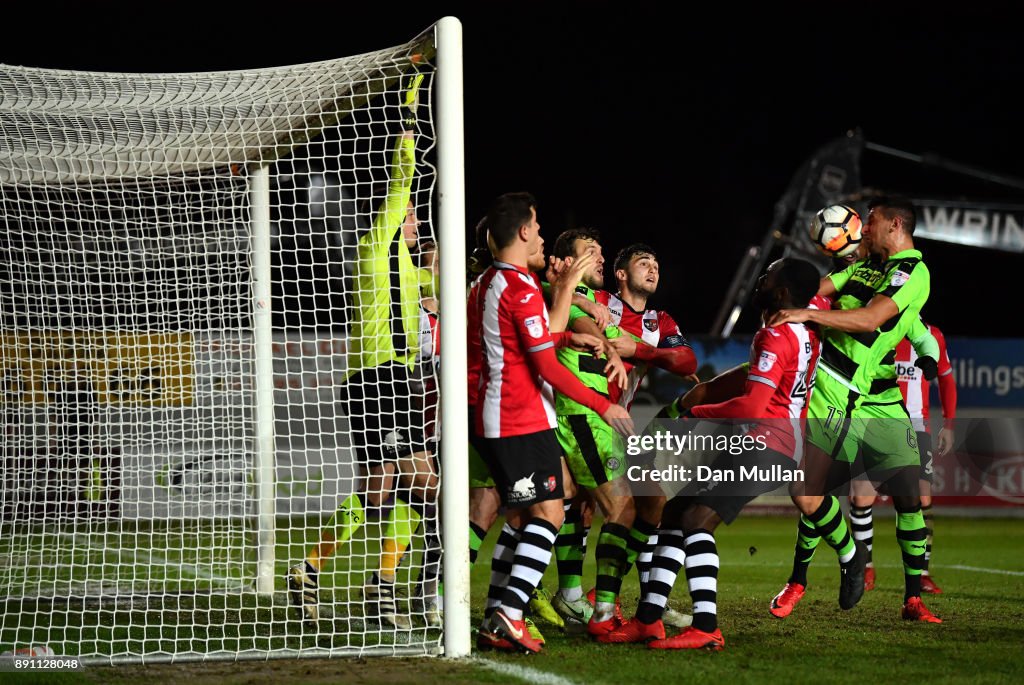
[(194, 268)]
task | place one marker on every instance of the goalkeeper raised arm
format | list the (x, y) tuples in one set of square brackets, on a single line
[(382, 353)]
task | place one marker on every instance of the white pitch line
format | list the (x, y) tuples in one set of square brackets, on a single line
[(977, 569), (524, 673)]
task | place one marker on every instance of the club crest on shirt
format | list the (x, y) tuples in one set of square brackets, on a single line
[(899, 278), (651, 325), (534, 326), (766, 361)]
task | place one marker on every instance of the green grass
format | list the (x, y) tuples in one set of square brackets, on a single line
[(980, 640)]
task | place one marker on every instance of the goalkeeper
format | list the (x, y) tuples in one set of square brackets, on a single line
[(382, 353)]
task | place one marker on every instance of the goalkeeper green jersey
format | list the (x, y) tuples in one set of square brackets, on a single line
[(864, 362), (586, 367), (385, 305)]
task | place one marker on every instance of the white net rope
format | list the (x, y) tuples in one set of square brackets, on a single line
[(128, 357)]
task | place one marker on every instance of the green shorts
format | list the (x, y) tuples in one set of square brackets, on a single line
[(842, 422), (593, 450)]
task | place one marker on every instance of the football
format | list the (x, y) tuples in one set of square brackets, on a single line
[(836, 230)]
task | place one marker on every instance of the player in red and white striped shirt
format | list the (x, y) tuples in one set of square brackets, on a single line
[(515, 412), (915, 389), (776, 390)]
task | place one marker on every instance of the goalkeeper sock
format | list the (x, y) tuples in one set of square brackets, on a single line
[(862, 524), (532, 556), (831, 525), (501, 565), (929, 527), (611, 565), (911, 535), (666, 562), (702, 578), (569, 554), (807, 540), (402, 521), (343, 524)]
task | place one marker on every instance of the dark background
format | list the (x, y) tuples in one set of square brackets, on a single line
[(650, 122)]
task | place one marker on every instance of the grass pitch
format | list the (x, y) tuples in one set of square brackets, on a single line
[(979, 564)]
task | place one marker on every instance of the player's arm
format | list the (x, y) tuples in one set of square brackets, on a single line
[(391, 213), (861, 320), (673, 354), (832, 283), (767, 361), (927, 348), (614, 369), (722, 387), (947, 395)]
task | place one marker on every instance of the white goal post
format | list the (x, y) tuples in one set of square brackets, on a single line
[(204, 278)]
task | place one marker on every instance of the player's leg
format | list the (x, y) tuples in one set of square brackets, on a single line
[(862, 499), (891, 455), (528, 472), (924, 443)]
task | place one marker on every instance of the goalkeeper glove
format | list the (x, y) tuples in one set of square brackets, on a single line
[(929, 367), (411, 100)]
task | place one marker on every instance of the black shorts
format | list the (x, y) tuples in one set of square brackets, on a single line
[(527, 468), (382, 415), (728, 498), (924, 446)]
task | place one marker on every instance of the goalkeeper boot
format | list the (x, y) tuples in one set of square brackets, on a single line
[(380, 604), (691, 638), (784, 602), (928, 586), (869, 579), (429, 608), (575, 613), (540, 607), (634, 630), (676, 619), (851, 577), (915, 610), (304, 591)]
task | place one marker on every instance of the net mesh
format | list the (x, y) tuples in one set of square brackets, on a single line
[(129, 357)]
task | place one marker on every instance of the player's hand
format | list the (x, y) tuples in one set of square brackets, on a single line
[(692, 378), (929, 367), (411, 99), (595, 310), (618, 418), (624, 345), (789, 316), (556, 267), (945, 441), (585, 342), (615, 370)]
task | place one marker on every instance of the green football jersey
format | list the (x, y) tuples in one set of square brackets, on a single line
[(865, 361), (588, 368)]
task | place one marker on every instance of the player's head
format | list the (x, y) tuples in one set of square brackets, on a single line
[(575, 243), (787, 283), (891, 220), (636, 269), (512, 223), (480, 258), (411, 227), (841, 263)]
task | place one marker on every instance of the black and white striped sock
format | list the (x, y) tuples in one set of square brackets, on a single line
[(533, 554), (501, 566), (862, 523), (666, 562), (702, 578)]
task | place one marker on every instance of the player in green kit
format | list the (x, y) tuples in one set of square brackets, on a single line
[(856, 402)]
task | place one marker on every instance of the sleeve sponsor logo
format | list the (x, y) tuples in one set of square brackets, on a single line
[(766, 361), (534, 326), (899, 278)]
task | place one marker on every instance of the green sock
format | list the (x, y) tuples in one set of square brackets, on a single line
[(911, 535), (612, 545), (831, 525), (569, 551)]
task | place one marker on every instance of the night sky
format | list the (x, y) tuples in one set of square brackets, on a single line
[(678, 131)]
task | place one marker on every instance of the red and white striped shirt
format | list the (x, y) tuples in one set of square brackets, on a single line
[(914, 387), (656, 328), (783, 358), (513, 323)]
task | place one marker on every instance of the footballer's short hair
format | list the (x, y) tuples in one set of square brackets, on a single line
[(896, 205), (799, 277), (565, 243), (627, 253), (507, 214)]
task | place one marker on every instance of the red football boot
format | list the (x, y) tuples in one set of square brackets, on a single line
[(869, 578), (784, 602), (691, 638), (515, 632), (592, 598), (634, 631), (929, 587), (915, 610)]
